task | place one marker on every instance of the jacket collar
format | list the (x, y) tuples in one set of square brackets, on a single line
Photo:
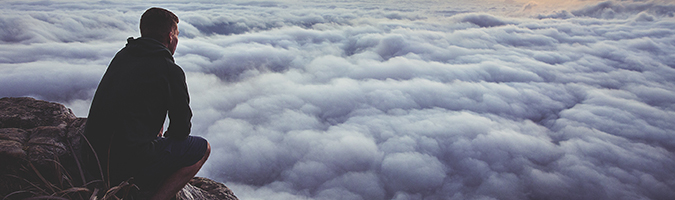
[(147, 46)]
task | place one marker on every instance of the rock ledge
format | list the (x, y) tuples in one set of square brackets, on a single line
[(39, 148)]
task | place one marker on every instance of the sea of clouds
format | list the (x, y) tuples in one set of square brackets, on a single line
[(400, 100)]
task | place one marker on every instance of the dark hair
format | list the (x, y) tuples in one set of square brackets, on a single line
[(157, 23)]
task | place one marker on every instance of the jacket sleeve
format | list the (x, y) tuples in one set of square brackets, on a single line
[(179, 112)]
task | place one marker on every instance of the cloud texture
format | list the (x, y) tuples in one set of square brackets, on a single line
[(405, 100)]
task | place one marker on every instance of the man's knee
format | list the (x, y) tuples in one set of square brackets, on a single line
[(208, 151)]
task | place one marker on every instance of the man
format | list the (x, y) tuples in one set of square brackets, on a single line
[(141, 85)]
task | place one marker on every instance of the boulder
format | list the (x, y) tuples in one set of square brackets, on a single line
[(27, 113), (217, 189), (39, 154)]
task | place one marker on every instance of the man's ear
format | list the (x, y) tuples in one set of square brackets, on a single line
[(168, 35), (167, 38)]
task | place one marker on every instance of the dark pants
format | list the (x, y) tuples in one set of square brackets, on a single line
[(170, 156)]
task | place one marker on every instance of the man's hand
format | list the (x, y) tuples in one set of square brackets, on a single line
[(161, 132)]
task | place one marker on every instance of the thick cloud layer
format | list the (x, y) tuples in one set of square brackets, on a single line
[(405, 100)]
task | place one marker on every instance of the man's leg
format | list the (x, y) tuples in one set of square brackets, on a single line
[(180, 178)]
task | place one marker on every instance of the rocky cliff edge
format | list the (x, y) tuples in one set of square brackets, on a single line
[(39, 148)]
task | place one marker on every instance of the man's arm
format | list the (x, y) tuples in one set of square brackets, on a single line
[(180, 113)]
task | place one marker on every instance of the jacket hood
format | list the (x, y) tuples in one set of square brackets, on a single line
[(143, 46)]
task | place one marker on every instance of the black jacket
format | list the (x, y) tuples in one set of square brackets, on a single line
[(141, 85)]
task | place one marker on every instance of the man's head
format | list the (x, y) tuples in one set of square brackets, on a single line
[(161, 25)]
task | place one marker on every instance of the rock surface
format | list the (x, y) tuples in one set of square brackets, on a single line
[(39, 148)]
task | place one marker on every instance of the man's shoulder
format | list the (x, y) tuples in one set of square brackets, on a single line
[(171, 65), (171, 68)]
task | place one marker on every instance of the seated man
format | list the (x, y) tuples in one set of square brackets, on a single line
[(141, 85)]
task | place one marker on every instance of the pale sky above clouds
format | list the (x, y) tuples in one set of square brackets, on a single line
[(392, 99)]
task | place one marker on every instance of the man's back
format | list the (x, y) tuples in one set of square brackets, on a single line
[(141, 84)]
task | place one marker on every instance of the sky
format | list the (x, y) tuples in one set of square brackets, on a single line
[(408, 99)]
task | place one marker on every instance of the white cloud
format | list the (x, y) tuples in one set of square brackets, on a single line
[(414, 100)]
